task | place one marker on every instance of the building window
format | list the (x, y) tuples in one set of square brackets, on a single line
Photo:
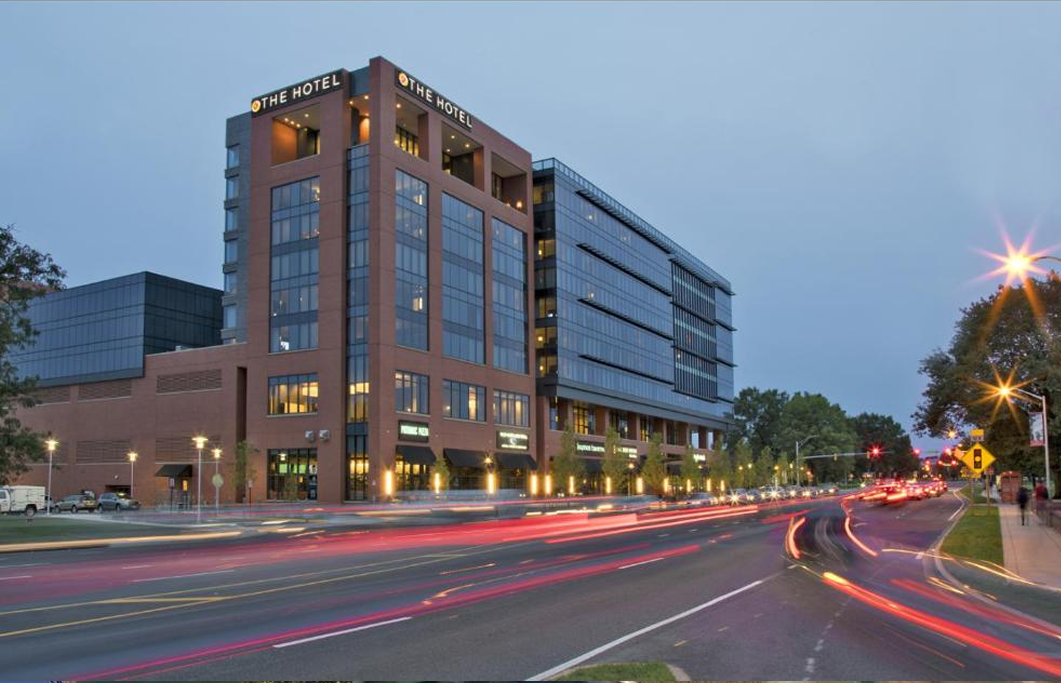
[(292, 474), (510, 297), (646, 430), (555, 421), (546, 364), (546, 248), (410, 261), (406, 141), (462, 281), (232, 187), (232, 160), (293, 337), (544, 337), (411, 392), (296, 135), (231, 220), (294, 265), (546, 307), (231, 251), (230, 283), (357, 378), (511, 409), (584, 418), (619, 422), (357, 467), (357, 297), (296, 211), (293, 394), (463, 401), (229, 316), (293, 300)]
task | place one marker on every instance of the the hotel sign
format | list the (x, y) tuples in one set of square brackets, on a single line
[(598, 449), (413, 431), (512, 441), (433, 99), (293, 94)]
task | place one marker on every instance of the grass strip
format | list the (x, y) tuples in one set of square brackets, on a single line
[(634, 671)]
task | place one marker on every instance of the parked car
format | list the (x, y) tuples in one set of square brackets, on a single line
[(702, 498), (26, 500), (78, 501), (737, 497), (118, 502)]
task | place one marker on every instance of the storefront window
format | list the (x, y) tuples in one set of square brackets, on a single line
[(292, 474)]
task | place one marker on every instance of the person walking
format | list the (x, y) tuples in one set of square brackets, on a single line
[(1022, 501)]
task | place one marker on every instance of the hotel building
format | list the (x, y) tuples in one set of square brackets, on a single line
[(401, 286)]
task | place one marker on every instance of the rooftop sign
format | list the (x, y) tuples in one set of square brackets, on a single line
[(293, 94), (432, 99)]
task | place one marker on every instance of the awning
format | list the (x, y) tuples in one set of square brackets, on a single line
[(417, 455), (174, 471), (462, 458), (674, 467), (515, 461), (593, 465)]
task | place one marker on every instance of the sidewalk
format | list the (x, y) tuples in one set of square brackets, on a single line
[(1032, 551)]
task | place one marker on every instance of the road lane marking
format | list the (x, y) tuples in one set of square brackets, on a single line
[(137, 566), (640, 632), (341, 633), (638, 564), (183, 576), (960, 508), (12, 578)]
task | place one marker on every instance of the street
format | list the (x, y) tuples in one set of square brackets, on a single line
[(777, 592)]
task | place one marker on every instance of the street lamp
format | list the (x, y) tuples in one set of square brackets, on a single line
[(217, 487), (200, 444), (1009, 393), (490, 485), (132, 478), (799, 444), (630, 478), (50, 444)]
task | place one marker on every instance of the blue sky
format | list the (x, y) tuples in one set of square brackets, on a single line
[(839, 163)]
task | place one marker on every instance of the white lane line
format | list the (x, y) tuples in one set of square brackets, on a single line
[(183, 576), (960, 508), (28, 564), (136, 566), (638, 564), (12, 578), (640, 632), (341, 633)]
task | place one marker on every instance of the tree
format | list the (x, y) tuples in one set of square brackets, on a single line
[(25, 274), (566, 464), (441, 469), (764, 468), (721, 471), (814, 415), (758, 417), (654, 471), (1013, 335), (782, 469), (743, 456), (243, 471), (614, 465), (882, 431), (690, 468)]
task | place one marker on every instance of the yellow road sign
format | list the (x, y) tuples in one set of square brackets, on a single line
[(976, 435), (977, 459)]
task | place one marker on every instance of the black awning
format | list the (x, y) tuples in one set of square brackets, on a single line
[(515, 461), (417, 455), (674, 466), (462, 458), (593, 465), (174, 471)]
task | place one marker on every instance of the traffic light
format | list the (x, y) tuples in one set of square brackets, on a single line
[(978, 459), (874, 452), (917, 452)]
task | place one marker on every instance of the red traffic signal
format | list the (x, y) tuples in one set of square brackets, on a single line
[(917, 452), (874, 452)]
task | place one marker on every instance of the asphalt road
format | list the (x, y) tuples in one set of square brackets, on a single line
[(823, 589)]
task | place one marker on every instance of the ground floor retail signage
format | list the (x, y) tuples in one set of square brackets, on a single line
[(413, 431), (589, 447), (513, 441), (628, 451)]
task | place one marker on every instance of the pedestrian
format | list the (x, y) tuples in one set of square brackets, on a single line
[(1040, 491), (1022, 501)]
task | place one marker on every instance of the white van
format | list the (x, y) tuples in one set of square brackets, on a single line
[(22, 499)]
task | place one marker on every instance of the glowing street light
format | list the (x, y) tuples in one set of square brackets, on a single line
[(1008, 392), (132, 478), (50, 444), (200, 444), (217, 488)]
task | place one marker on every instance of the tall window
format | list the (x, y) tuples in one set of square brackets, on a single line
[(294, 265), (584, 418), (232, 156), (411, 392), (232, 187), (509, 253), (647, 427), (230, 283), (410, 261), (406, 141), (357, 468), (293, 394), (229, 316), (357, 295), (463, 401), (462, 280), (620, 424), (231, 220), (231, 251), (511, 409)]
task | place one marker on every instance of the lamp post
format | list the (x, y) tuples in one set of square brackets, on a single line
[(1008, 392), (490, 484), (132, 478), (630, 478), (50, 444), (799, 444), (217, 487), (200, 444)]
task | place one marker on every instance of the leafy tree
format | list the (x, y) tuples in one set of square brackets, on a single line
[(690, 468), (1012, 335), (783, 471), (566, 464), (243, 470), (654, 471), (758, 416), (764, 468), (441, 468), (744, 459), (814, 415), (614, 464), (721, 471), (882, 431), (25, 274)]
